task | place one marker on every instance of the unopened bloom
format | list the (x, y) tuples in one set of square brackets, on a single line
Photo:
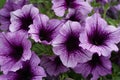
[(44, 30), (112, 12), (21, 19), (94, 68), (10, 5), (99, 37), (53, 65), (29, 71), (60, 6), (66, 45), (14, 48)]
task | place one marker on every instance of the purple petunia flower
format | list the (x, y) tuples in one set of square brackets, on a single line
[(10, 5), (56, 65), (66, 45), (29, 71), (21, 19), (97, 66), (44, 30), (60, 6), (14, 48), (76, 15), (98, 36), (117, 6)]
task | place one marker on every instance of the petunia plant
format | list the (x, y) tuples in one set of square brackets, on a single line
[(59, 40)]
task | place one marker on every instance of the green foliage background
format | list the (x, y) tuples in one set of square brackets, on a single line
[(2, 3)]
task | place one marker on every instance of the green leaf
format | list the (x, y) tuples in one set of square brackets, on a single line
[(112, 21), (95, 4), (2, 2), (116, 72), (41, 49), (45, 7), (75, 76), (1, 73), (63, 76)]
